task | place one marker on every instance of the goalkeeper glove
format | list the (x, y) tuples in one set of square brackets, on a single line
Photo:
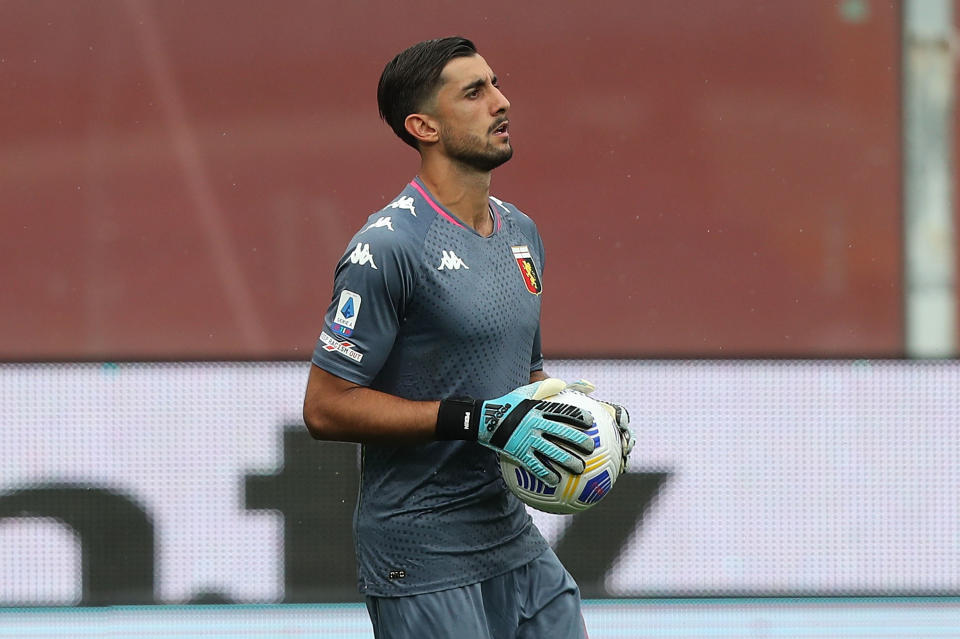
[(524, 427), (619, 414)]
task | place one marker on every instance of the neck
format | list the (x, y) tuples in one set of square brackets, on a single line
[(463, 191)]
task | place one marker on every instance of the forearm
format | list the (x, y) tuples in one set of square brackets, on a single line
[(337, 410)]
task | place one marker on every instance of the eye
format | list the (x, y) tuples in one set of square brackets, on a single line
[(474, 94)]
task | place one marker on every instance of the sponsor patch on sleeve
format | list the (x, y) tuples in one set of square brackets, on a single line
[(343, 347)]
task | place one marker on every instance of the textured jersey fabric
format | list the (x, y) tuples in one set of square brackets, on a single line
[(425, 308)]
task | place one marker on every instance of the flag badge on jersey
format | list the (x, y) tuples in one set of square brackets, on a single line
[(347, 310), (527, 269)]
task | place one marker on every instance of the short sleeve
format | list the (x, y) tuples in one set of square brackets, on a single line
[(373, 281)]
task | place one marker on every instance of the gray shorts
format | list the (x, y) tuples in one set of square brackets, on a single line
[(539, 599)]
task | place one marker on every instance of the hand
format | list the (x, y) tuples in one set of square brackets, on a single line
[(524, 427), (619, 414)]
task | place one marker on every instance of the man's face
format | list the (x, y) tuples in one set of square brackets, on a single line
[(472, 114)]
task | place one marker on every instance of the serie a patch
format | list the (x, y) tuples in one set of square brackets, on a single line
[(348, 308), (527, 268)]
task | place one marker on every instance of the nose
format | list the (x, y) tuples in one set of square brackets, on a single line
[(500, 103)]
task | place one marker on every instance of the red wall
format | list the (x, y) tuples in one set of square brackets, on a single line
[(721, 179)]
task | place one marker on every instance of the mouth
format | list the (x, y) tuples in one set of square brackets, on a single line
[(501, 128)]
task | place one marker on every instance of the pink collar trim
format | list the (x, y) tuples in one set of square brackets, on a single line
[(436, 207)]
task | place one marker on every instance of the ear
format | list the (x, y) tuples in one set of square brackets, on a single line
[(422, 127)]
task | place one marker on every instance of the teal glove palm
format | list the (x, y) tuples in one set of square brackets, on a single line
[(529, 430)]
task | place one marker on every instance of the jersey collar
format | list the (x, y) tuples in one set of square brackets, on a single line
[(421, 188)]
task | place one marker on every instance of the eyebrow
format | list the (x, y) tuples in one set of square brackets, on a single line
[(479, 82)]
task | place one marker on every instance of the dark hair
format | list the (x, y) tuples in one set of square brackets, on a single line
[(411, 78)]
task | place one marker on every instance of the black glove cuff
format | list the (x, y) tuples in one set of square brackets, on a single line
[(458, 419)]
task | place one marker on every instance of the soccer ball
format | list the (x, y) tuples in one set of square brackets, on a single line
[(574, 493)]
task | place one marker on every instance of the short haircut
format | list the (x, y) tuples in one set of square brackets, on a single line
[(412, 77)]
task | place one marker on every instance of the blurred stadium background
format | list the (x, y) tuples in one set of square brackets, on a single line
[(750, 204)]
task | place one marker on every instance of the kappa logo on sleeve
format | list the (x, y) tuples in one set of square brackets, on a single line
[(348, 308), (382, 222), (404, 203), (361, 255), (528, 270), (345, 348)]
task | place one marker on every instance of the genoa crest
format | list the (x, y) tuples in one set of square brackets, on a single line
[(527, 269)]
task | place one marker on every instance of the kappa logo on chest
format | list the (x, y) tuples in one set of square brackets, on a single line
[(451, 262)]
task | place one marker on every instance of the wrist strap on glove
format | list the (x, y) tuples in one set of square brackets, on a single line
[(459, 419)]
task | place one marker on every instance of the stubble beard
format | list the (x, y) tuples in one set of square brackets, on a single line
[(475, 153)]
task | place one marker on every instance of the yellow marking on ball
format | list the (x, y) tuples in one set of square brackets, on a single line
[(596, 463), (570, 487)]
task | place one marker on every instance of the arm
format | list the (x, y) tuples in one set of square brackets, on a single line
[(519, 425), (338, 410)]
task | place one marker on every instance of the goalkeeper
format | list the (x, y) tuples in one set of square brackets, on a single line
[(430, 357)]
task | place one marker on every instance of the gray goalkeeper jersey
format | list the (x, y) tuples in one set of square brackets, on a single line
[(425, 308)]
